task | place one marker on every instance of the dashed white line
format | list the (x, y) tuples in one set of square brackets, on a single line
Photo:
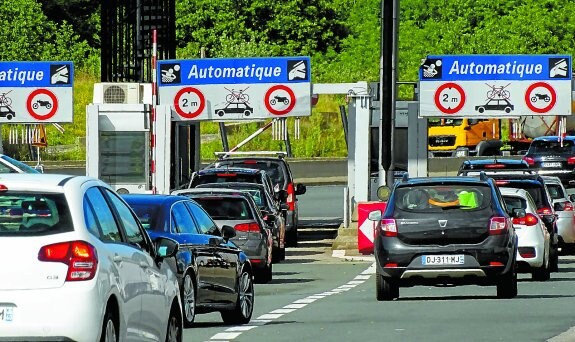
[(233, 332)]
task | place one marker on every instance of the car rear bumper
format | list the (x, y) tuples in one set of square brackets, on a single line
[(566, 229), (254, 249), (73, 312), (483, 263)]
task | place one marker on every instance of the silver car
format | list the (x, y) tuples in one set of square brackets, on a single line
[(84, 267), (564, 210)]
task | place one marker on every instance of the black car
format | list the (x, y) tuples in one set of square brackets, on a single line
[(552, 156), (232, 174), (444, 231), (279, 171), (270, 209), (213, 273), (510, 166)]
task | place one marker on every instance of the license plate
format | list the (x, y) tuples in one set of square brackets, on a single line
[(551, 164), (6, 313), (443, 259)]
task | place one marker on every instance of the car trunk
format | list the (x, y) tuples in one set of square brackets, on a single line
[(453, 226)]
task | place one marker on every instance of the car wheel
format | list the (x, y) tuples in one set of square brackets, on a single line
[(481, 109), (291, 237), (247, 112), (264, 275), (385, 289), (507, 285), (554, 259), (282, 253), (188, 299), (542, 273), (242, 313), (174, 332), (276, 255), (109, 328)]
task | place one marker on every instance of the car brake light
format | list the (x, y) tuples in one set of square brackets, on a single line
[(497, 225), (250, 162), (527, 252), (3, 187), (290, 197), (226, 174), (247, 227), (388, 227), (571, 160), (568, 206), (80, 256), (391, 264), (501, 182), (544, 211), (527, 220), (529, 160), (494, 166)]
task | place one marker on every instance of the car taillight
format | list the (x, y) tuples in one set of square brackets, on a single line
[(497, 225), (527, 220), (544, 211), (529, 160), (571, 160), (290, 197), (247, 227), (388, 227), (80, 256), (501, 182), (568, 206), (226, 174), (3, 188), (250, 162), (494, 166)]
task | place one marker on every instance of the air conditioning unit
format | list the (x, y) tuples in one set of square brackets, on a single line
[(122, 93)]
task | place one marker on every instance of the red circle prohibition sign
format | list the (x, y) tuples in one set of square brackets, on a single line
[(437, 99), (54, 104), (552, 95), (201, 105), (289, 106)]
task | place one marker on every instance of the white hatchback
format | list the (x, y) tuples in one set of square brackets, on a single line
[(534, 239), (78, 265)]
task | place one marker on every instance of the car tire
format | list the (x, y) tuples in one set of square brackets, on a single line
[(276, 255), (542, 273), (385, 289), (109, 327), (265, 275), (291, 237), (282, 253), (189, 297), (507, 284), (174, 330), (242, 312), (554, 259)]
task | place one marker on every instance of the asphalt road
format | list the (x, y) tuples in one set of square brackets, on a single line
[(331, 300)]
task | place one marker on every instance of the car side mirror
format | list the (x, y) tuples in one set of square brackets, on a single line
[(166, 248), (518, 213), (228, 232), (374, 215), (300, 189)]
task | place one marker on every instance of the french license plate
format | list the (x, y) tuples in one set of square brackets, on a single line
[(443, 259), (551, 164), (6, 313)]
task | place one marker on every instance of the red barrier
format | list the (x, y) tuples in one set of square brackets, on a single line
[(365, 227)]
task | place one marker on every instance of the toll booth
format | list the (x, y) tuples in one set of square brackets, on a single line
[(133, 150)]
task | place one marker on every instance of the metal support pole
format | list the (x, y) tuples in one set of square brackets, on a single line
[(224, 135), (286, 138), (343, 115)]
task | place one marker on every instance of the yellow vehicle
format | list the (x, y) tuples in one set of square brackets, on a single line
[(463, 137)]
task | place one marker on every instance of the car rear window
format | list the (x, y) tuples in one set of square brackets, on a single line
[(24, 213), (272, 168), (514, 202), (148, 215), (222, 208), (551, 146), (442, 197), (226, 178), (535, 189), (556, 191)]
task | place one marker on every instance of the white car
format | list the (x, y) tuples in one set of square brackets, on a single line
[(534, 239), (78, 265), (564, 210)]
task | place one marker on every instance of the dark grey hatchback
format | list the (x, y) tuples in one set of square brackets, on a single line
[(444, 231)]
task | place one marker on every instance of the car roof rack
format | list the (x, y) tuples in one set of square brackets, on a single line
[(223, 155)]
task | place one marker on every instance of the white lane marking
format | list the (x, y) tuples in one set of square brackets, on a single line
[(225, 336), (233, 332)]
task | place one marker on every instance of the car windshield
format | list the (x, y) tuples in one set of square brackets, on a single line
[(25, 213), (438, 197), (226, 208), (553, 146), (148, 215), (226, 178)]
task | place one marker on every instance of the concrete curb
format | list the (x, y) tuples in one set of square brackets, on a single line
[(340, 253)]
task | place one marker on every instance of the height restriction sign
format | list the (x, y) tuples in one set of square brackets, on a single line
[(495, 85)]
